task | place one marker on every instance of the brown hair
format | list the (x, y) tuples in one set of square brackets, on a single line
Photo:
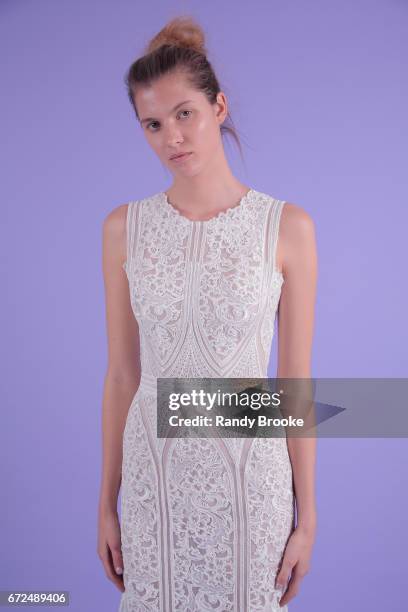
[(178, 46)]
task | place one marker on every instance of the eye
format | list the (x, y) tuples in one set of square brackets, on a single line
[(156, 122), (186, 111), (151, 123)]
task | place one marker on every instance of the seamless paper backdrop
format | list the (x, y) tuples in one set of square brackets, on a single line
[(317, 91)]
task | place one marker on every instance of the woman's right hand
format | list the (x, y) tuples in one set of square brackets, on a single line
[(109, 547)]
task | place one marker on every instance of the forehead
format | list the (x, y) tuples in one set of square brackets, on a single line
[(164, 94)]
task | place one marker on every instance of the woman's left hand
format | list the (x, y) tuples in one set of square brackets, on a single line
[(296, 561)]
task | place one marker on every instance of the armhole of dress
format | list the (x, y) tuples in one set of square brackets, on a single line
[(279, 204), (126, 264)]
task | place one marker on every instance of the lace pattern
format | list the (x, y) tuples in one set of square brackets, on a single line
[(204, 520)]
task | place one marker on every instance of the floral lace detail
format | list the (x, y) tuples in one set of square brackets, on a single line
[(230, 288), (271, 516), (220, 216), (204, 521), (139, 537), (212, 283), (202, 527)]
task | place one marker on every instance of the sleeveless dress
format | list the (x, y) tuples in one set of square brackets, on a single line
[(204, 521)]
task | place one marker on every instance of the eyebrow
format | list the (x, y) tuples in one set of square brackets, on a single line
[(175, 108)]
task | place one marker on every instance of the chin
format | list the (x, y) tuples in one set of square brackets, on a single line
[(187, 170)]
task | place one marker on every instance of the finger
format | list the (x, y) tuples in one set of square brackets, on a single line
[(289, 594), (117, 560), (293, 586), (284, 573), (106, 559)]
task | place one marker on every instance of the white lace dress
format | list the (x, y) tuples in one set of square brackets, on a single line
[(204, 521)]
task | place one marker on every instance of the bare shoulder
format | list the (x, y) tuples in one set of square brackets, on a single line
[(115, 221), (296, 234), (296, 222), (114, 232)]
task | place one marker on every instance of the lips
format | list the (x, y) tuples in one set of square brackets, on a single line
[(179, 155)]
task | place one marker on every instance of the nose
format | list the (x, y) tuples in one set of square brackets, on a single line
[(174, 136)]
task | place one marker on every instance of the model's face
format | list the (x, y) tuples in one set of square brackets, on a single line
[(178, 119)]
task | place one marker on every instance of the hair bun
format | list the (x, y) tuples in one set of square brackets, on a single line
[(180, 32)]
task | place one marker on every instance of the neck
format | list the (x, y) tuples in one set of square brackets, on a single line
[(212, 190)]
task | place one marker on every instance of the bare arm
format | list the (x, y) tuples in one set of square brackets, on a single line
[(295, 331), (122, 377), (122, 380), (297, 257)]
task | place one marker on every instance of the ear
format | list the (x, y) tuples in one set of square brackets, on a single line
[(221, 107)]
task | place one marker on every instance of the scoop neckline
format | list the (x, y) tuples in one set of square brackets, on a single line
[(221, 214)]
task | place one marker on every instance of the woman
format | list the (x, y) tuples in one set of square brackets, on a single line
[(206, 524)]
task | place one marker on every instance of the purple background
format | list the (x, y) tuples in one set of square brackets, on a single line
[(317, 91)]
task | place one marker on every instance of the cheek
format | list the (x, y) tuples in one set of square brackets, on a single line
[(207, 132), (203, 126), (156, 144), (150, 141)]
